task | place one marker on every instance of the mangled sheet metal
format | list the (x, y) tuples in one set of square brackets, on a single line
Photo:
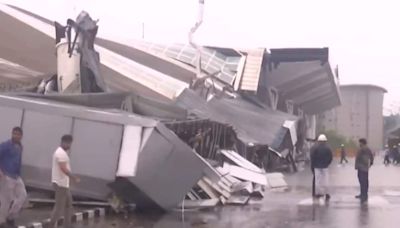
[(305, 76), (35, 50), (252, 123), (135, 155)]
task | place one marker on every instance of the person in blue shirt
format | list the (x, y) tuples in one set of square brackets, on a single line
[(12, 188)]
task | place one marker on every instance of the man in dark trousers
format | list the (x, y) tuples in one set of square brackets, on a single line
[(364, 161), (321, 158), (386, 160), (343, 155), (12, 189)]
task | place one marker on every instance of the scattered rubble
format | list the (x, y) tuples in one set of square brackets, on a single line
[(234, 183)]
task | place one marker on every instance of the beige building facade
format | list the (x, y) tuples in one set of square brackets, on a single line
[(359, 116)]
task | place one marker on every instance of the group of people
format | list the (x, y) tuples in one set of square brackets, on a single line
[(12, 188), (392, 155), (321, 158)]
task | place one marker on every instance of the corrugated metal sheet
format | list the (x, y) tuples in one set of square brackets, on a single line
[(252, 69)]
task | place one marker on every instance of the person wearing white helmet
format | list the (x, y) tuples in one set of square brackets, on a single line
[(386, 160), (321, 158)]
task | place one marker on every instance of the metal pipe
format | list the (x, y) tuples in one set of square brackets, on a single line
[(192, 43)]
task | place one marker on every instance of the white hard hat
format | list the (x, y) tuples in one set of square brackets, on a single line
[(322, 138)]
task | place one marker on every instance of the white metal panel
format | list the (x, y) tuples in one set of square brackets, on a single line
[(128, 156), (240, 161), (95, 150), (68, 69), (245, 174), (291, 125), (42, 135), (252, 70), (10, 117)]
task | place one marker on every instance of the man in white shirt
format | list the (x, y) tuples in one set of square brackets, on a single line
[(60, 177)]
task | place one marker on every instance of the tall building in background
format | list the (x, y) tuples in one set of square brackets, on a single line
[(360, 116)]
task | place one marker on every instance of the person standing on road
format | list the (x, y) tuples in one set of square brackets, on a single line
[(312, 168), (364, 161), (321, 158), (343, 155), (386, 160), (60, 177), (12, 188)]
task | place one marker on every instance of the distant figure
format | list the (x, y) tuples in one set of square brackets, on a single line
[(386, 159), (364, 161), (393, 153), (12, 189), (321, 158), (396, 156), (60, 177), (343, 155)]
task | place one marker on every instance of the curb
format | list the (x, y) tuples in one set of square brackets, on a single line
[(77, 217)]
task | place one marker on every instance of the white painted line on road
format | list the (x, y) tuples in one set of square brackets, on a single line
[(344, 200), (391, 193)]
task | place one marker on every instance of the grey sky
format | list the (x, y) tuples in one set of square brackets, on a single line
[(362, 35)]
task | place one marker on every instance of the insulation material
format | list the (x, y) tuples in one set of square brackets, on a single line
[(129, 151), (245, 174)]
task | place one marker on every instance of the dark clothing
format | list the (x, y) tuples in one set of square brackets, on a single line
[(364, 184), (387, 157), (321, 156), (343, 156), (343, 153), (10, 159), (364, 159)]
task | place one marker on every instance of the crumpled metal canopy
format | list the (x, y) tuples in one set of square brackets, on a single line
[(252, 123), (24, 42)]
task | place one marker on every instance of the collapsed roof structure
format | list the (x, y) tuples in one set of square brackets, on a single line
[(267, 97)]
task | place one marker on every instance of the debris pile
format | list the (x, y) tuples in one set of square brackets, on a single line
[(236, 181)]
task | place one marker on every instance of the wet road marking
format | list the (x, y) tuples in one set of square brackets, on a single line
[(344, 200)]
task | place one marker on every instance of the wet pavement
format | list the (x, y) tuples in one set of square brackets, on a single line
[(291, 208)]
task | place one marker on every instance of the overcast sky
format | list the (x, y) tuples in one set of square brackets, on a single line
[(363, 35)]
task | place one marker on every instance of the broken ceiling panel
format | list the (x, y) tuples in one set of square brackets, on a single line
[(304, 76)]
